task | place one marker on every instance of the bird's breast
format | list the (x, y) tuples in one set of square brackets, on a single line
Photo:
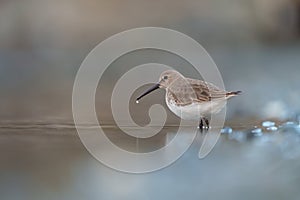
[(195, 110)]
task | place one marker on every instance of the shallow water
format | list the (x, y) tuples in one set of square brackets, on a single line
[(50, 162)]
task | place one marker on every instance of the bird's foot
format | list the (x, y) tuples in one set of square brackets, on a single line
[(203, 127)]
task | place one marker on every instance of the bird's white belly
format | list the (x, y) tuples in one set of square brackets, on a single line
[(195, 111)]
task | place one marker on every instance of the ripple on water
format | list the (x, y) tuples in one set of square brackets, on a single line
[(239, 136)]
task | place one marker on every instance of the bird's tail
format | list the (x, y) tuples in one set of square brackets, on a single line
[(233, 93)]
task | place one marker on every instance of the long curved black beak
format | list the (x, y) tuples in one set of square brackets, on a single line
[(156, 86)]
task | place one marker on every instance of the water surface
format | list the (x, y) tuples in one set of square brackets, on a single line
[(50, 162)]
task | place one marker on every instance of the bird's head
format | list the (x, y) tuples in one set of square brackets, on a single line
[(167, 78), (165, 81)]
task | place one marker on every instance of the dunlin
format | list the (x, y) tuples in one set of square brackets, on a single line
[(191, 99)]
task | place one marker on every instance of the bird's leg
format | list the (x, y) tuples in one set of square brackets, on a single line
[(201, 125), (206, 122)]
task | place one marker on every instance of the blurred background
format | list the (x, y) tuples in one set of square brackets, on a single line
[(255, 44)]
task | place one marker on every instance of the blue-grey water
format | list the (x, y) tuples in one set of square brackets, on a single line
[(49, 162), (255, 45)]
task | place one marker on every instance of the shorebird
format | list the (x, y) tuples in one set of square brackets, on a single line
[(191, 99)]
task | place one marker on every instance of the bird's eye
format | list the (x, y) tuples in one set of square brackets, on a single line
[(165, 77)]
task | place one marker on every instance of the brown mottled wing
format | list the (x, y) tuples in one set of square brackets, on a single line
[(185, 93), (205, 91)]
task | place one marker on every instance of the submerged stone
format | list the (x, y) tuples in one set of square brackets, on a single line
[(288, 123), (226, 130), (253, 133), (272, 128), (257, 132), (268, 124)]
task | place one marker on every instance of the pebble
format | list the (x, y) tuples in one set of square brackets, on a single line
[(288, 123), (257, 132), (268, 124), (272, 128), (226, 130)]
